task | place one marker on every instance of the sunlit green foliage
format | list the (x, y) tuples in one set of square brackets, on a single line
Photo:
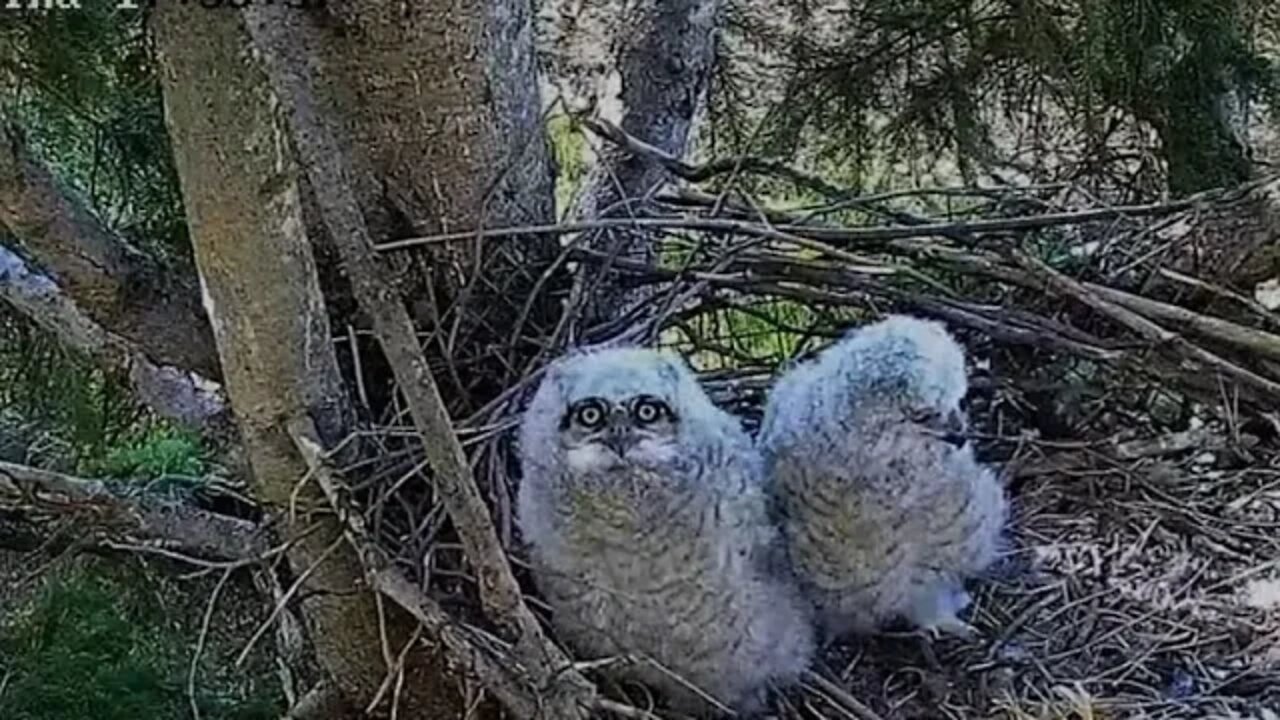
[(149, 453), (568, 147)]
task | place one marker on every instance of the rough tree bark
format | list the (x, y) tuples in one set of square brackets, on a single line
[(243, 201), (440, 121), (111, 283), (663, 54)]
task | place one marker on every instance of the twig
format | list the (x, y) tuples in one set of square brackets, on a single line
[(1199, 439), (1271, 317), (1245, 338), (838, 695), (224, 565), (283, 602), (788, 232), (706, 171), (625, 711), (321, 702), (200, 642), (499, 672)]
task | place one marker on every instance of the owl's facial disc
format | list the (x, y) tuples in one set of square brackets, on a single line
[(600, 433)]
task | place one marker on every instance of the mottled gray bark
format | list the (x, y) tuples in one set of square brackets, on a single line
[(170, 392), (663, 53), (240, 185), (116, 286)]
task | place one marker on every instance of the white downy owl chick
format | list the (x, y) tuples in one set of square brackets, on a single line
[(644, 508), (885, 512)]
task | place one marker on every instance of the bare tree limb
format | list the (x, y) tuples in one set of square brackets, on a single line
[(118, 516), (112, 283), (173, 393)]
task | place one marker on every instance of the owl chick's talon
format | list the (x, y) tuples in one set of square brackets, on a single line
[(953, 627)]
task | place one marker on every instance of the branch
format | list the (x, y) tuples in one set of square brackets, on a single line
[(1256, 341), (325, 165), (1164, 339), (855, 235), (172, 393), (115, 285), (135, 519), (706, 171)]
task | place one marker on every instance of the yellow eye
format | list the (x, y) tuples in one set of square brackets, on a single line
[(590, 415), (648, 410)]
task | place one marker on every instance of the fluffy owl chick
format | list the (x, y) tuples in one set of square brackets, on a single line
[(885, 512), (643, 506)]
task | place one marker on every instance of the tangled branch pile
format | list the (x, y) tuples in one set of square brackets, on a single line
[(1125, 378)]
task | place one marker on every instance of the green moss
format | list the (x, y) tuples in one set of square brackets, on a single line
[(150, 453), (568, 147)]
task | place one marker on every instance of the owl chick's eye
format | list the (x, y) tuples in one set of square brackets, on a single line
[(648, 410), (590, 414)]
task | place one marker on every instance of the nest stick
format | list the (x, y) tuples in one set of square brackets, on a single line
[(502, 675)]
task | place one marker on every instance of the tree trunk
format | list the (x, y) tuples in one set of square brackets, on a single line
[(438, 113), (111, 283), (243, 201), (663, 56)]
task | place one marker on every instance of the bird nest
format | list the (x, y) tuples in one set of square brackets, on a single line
[(1122, 380)]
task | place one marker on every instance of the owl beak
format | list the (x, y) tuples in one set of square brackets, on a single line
[(619, 441)]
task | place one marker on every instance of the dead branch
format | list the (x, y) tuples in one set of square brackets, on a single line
[(171, 392), (1257, 341), (1257, 308), (113, 515), (847, 236), (1163, 339), (1199, 439)]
